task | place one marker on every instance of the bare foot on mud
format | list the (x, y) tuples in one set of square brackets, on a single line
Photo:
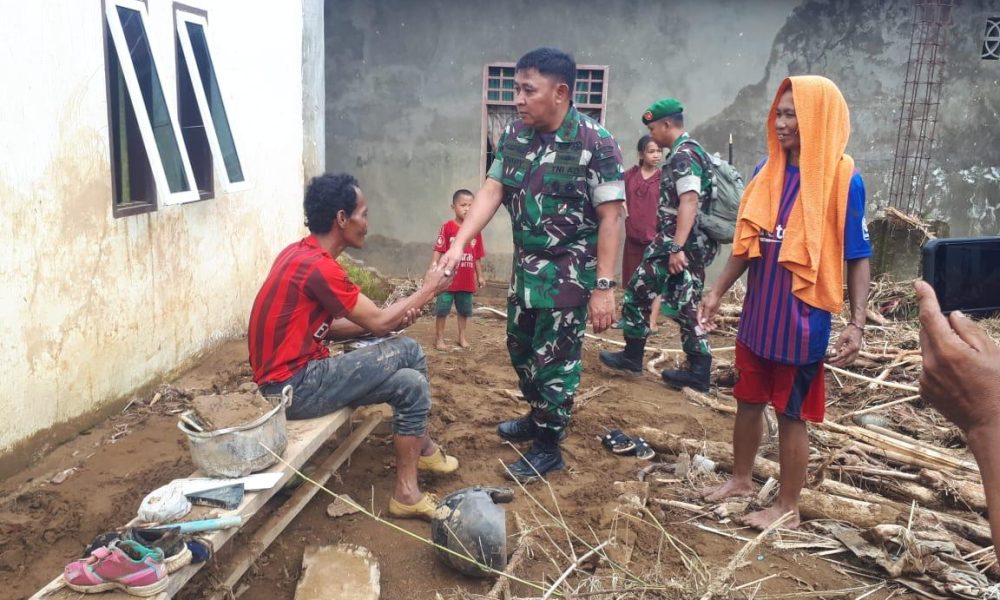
[(463, 343), (762, 519), (440, 345), (730, 489)]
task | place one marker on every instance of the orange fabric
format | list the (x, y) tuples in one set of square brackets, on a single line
[(813, 244)]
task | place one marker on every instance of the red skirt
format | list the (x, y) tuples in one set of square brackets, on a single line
[(631, 257)]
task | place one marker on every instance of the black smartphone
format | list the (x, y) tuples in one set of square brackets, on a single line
[(965, 273)]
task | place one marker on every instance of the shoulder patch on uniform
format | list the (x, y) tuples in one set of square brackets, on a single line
[(605, 146)]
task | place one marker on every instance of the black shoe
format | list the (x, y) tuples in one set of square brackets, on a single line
[(522, 429), (176, 553), (543, 458), (697, 376), (628, 361), (168, 539), (101, 541), (619, 362)]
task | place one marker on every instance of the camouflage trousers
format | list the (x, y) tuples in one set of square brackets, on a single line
[(545, 346), (681, 292)]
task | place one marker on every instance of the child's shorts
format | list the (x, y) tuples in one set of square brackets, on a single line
[(795, 391), (462, 300)]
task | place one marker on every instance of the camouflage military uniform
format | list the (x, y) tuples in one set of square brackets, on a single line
[(552, 185), (681, 292)]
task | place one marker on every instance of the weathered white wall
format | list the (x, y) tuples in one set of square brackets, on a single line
[(313, 88), (93, 307)]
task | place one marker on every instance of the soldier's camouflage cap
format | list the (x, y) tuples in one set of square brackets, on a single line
[(663, 107)]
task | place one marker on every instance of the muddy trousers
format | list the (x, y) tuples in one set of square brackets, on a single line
[(681, 295), (393, 371), (545, 345)]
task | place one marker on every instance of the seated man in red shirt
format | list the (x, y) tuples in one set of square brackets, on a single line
[(307, 298)]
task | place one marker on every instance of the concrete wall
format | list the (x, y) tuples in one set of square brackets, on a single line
[(404, 90), (93, 307), (404, 87), (864, 47)]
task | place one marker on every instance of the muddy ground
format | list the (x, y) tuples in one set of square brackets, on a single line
[(103, 474)]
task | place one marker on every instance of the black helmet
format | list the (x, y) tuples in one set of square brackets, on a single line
[(471, 522)]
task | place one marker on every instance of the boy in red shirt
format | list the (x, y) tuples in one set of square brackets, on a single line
[(467, 276)]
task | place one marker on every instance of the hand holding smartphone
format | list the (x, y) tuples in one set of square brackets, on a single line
[(964, 272)]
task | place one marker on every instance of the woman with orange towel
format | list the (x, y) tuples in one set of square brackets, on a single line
[(801, 218)]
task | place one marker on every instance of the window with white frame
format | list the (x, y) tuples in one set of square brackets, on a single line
[(134, 190), (195, 59), (163, 153), (192, 125), (589, 97), (142, 102)]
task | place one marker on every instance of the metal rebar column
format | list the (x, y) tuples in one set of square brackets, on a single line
[(921, 100)]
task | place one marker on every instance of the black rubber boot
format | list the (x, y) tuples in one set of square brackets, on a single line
[(697, 376), (627, 361), (543, 457), (522, 429)]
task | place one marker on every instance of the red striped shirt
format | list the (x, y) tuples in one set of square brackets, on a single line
[(305, 290)]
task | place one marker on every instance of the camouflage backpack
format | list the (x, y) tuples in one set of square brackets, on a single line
[(718, 212)]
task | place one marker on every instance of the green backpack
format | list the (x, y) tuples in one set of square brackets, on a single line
[(718, 212)]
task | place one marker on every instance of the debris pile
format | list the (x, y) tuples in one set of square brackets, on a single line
[(893, 493)]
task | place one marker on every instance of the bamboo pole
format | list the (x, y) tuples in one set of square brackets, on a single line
[(880, 377), (871, 472), (888, 384), (959, 493), (871, 409)]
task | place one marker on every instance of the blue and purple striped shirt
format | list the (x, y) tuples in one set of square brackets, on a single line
[(776, 325)]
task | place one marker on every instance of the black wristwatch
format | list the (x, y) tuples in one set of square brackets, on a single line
[(603, 283), (674, 248)]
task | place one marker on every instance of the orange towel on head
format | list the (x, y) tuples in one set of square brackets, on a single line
[(813, 244)]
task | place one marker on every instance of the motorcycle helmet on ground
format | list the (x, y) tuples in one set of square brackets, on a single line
[(471, 522)]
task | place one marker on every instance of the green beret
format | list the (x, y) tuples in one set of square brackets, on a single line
[(664, 107)]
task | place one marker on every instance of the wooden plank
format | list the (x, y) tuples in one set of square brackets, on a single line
[(304, 438), (276, 523)]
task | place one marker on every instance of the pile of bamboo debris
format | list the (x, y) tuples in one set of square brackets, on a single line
[(891, 486), (601, 563)]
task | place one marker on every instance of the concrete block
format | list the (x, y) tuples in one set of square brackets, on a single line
[(341, 572)]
